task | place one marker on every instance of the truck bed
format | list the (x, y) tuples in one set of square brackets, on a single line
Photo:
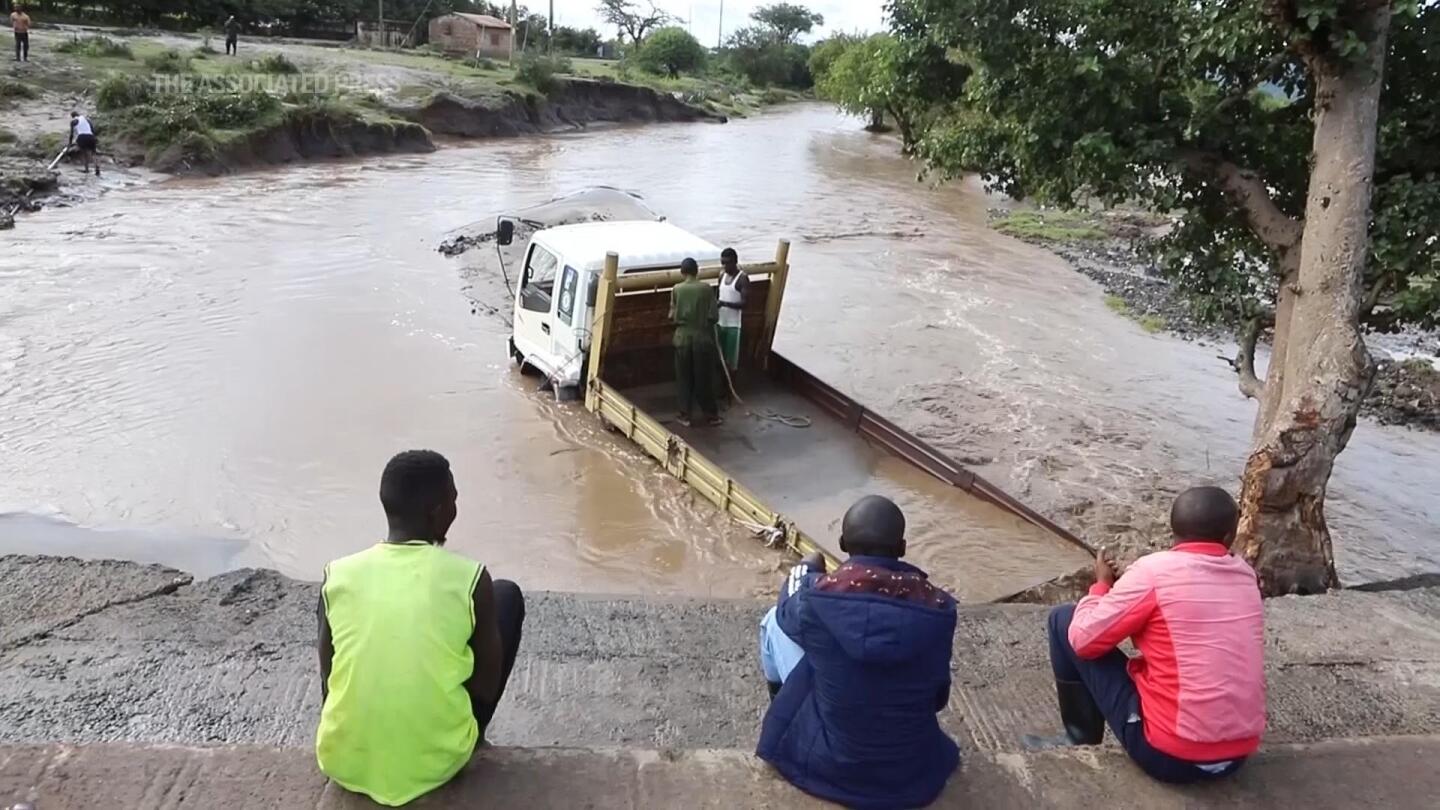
[(813, 474)]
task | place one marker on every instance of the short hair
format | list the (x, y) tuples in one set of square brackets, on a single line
[(414, 483), (1204, 513), (874, 526), (729, 253), (689, 267)]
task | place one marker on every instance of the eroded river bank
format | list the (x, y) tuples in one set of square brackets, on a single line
[(223, 366)]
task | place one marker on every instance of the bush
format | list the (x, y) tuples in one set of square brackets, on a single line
[(486, 63), (96, 47), (671, 51), (235, 109), (539, 71), (119, 92), (168, 61), (11, 89), (7, 137), (204, 50), (274, 63)]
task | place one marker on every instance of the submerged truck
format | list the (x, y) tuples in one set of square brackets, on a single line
[(591, 314)]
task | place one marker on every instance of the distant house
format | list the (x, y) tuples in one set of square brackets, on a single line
[(471, 35)]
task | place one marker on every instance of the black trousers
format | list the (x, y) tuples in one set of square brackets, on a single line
[(232, 45), (510, 613), (22, 45)]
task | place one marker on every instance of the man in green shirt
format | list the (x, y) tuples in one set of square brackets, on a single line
[(416, 645), (694, 311)]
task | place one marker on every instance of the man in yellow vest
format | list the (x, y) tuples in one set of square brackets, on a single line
[(416, 645)]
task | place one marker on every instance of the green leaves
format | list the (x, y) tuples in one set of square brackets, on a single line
[(1077, 100)]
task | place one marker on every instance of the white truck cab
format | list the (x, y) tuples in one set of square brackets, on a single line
[(561, 269)]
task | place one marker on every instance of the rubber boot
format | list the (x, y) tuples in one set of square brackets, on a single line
[(1083, 722)]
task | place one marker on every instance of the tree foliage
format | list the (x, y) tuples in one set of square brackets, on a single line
[(671, 51), (756, 54), (1180, 106), (631, 19), (907, 80), (579, 42), (1294, 143), (766, 53), (787, 21)]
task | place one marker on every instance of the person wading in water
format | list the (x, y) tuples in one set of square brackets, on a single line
[(416, 645)]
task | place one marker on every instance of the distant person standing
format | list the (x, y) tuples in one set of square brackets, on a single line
[(82, 137), (20, 22), (232, 36), (694, 312), (733, 285)]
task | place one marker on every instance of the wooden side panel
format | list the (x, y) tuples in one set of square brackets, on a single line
[(638, 350)]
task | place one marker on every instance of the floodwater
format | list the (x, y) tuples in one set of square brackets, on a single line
[(226, 365)]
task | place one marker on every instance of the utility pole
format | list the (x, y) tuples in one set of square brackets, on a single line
[(720, 35), (380, 23), (550, 40)]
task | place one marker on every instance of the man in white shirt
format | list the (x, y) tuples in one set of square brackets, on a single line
[(82, 136)]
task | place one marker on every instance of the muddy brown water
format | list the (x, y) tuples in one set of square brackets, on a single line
[(214, 371)]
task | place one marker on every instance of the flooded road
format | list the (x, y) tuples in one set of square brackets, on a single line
[(227, 364)]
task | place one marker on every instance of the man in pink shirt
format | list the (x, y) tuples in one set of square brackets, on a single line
[(1191, 705)]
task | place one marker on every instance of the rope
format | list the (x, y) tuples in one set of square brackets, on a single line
[(788, 420), (774, 536)]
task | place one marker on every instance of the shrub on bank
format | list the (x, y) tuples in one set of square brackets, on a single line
[(276, 63), (96, 47), (540, 72), (169, 61), (11, 90), (118, 92)]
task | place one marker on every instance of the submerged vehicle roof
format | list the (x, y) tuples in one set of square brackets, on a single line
[(641, 244)]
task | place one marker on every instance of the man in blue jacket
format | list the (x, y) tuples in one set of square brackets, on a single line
[(859, 665)]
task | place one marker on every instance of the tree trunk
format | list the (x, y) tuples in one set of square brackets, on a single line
[(1321, 370)]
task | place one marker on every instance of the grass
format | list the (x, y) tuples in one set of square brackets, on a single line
[(12, 90), (168, 61), (1052, 226), (275, 63), (1154, 324), (96, 47), (8, 137)]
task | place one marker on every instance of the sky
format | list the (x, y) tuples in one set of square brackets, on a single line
[(703, 16)]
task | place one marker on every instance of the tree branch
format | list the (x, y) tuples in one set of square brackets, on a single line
[(1244, 363), (1278, 230)]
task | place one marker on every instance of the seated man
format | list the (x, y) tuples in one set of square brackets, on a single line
[(416, 645), (1191, 706), (864, 657)]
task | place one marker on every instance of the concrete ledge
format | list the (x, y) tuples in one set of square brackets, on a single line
[(1382, 772), (96, 652)]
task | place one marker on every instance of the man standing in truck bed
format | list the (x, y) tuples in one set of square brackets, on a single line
[(694, 312)]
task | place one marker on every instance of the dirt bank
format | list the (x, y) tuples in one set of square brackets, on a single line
[(117, 652), (574, 104), (170, 103)]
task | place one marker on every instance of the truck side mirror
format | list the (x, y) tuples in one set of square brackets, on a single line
[(505, 234)]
